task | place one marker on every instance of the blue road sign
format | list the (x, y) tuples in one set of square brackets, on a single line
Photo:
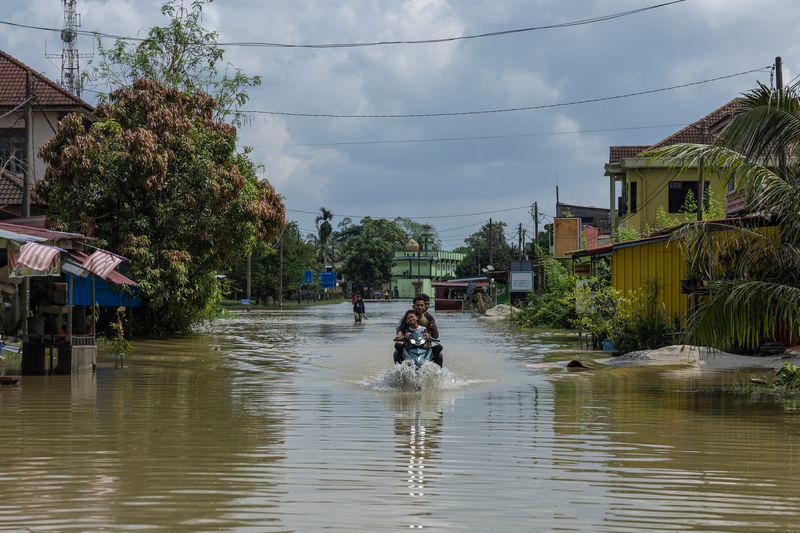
[(308, 276), (327, 280)]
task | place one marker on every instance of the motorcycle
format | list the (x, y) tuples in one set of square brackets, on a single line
[(417, 350)]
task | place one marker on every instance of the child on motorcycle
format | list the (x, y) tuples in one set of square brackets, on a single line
[(424, 318), (410, 325)]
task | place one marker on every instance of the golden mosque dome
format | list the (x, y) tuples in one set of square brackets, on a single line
[(412, 246)]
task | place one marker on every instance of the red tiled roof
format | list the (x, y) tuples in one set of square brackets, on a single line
[(714, 122), (618, 153), (693, 133), (48, 93), (11, 190)]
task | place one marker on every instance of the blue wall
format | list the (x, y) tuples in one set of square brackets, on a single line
[(105, 294)]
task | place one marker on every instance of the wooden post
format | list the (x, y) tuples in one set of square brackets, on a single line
[(91, 289), (69, 310)]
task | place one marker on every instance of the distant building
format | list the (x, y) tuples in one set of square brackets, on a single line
[(647, 184), (51, 103), (419, 264), (597, 217)]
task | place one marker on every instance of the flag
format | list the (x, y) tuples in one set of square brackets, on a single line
[(102, 263), (37, 256)]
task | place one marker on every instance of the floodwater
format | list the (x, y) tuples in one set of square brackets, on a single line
[(294, 421)]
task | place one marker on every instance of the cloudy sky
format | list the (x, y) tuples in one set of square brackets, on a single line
[(691, 41)]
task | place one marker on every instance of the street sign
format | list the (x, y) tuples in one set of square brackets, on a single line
[(521, 282), (327, 280), (308, 276)]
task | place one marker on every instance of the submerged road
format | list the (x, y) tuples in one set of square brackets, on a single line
[(290, 421)]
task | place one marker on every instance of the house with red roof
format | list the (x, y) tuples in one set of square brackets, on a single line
[(51, 103), (640, 186)]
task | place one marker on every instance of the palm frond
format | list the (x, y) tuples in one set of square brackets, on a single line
[(742, 314)]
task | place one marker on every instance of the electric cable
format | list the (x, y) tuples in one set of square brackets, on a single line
[(267, 44), (473, 138), (506, 109), (414, 218)]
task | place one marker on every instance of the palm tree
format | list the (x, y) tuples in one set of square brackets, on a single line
[(324, 230), (753, 272)]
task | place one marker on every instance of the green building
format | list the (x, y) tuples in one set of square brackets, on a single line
[(418, 265)]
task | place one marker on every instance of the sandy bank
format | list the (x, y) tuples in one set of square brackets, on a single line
[(699, 357)]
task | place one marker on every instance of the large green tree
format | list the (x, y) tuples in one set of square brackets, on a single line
[(476, 248), (182, 55), (158, 179), (324, 232), (367, 250), (298, 255), (753, 275)]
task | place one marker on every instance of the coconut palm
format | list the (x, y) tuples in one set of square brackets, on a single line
[(753, 273), (324, 230)]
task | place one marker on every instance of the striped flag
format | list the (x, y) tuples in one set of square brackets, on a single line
[(102, 263), (37, 256)]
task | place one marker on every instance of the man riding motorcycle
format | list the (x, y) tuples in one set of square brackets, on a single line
[(424, 318)]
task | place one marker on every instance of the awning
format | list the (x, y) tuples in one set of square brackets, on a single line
[(102, 263), (37, 256), (78, 259)]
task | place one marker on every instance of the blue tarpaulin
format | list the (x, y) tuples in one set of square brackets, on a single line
[(106, 294)]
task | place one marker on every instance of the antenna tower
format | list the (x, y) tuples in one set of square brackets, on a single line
[(70, 56)]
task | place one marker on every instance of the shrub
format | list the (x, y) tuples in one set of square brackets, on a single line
[(640, 321)]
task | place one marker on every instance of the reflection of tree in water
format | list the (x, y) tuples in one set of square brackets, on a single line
[(682, 443), (418, 422), (174, 443)]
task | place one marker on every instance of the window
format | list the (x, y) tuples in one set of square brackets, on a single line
[(12, 143), (678, 191), (632, 203)]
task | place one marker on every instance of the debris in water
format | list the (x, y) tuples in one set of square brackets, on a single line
[(575, 364)]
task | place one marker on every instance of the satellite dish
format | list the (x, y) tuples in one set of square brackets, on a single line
[(489, 268)]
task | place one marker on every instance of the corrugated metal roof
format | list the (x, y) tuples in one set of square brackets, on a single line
[(46, 234), (19, 237)]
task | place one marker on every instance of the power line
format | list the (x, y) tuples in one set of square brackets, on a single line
[(473, 138), (507, 109), (415, 218), (461, 227), (267, 44)]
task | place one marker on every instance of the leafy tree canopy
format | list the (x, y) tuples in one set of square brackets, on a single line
[(158, 179), (298, 255), (367, 250), (181, 55), (476, 248)]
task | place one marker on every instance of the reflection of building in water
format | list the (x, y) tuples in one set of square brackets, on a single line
[(671, 445)]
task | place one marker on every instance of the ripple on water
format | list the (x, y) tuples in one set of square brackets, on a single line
[(430, 377)]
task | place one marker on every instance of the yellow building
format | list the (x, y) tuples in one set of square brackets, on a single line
[(647, 185)]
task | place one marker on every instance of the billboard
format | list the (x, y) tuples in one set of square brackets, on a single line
[(521, 282)]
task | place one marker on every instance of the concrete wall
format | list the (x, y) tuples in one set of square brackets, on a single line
[(653, 192), (41, 133)]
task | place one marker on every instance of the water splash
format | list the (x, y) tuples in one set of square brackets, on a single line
[(430, 377)]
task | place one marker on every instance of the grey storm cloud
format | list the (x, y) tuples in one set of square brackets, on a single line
[(682, 43)]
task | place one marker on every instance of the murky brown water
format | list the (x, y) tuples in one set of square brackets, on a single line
[(273, 422)]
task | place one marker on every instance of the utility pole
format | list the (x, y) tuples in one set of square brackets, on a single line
[(524, 234), (491, 244), (280, 275), (701, 184), (519, 236), (27, 180), (536, 223), (28, 176), (779, 87), (249, 261)]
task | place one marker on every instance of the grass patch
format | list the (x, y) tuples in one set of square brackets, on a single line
[(785, 383)]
